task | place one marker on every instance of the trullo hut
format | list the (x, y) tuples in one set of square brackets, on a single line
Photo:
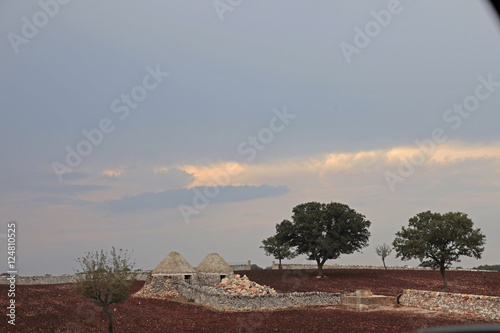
[(174, 266), (212, 270)]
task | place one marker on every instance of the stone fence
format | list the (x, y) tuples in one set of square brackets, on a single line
[(250, 302), (48, 279), (485, 306), (241, 266), (336, 266), (57, 279)]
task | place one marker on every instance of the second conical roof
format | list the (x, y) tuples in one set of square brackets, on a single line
[(213, 263)]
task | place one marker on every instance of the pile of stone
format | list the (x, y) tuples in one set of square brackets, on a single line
[(236, 285), (157, 288)]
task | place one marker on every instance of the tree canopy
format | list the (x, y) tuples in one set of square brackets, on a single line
[(438, 240), (325, 231), (278, 248), (106, 279)]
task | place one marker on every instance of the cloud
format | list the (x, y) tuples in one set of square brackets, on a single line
[(222, 173), (23, 181), (70, 189), (348, 169), (113, 172), (174, 177), (173, 198), (73, 176)]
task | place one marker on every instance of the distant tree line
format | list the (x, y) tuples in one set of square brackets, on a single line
[(488, 267), (255, 267)]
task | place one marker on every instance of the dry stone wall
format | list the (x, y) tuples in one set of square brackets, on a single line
[(314, 266), (57, 279), (241, 266), (253, 302), (204, 279), (485, 306)]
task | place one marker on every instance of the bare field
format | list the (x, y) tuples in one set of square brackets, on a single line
[(382, 282), (56, 308)]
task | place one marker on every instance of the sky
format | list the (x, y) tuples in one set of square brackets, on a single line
[(189, 126)]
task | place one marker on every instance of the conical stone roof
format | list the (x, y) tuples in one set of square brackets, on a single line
[(174, 263), (213, 263)]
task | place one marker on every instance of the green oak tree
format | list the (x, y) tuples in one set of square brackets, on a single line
[(325, 231), (438, 240), (278, 248), (106, 279)]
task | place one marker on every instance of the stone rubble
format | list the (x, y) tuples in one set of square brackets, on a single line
[(160, 289), (237, 285)]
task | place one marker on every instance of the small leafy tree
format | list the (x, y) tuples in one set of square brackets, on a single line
[(106, 279), (438, 240), (325, 231), (383, 251), (275, 246)]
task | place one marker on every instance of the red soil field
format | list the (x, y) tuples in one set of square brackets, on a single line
[(380, 282), (56, 308)]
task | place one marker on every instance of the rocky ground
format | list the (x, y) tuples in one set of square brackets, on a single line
[(241, 285)]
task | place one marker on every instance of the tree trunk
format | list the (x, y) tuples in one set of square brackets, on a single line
[(443, 274), (320, 270), (110, 319), (383, 260), (279, 265)]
